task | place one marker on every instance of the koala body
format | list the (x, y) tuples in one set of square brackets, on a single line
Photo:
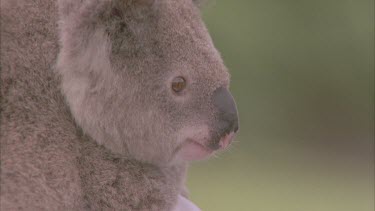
[(104, 103)]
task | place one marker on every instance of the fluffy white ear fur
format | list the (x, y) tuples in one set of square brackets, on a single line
[(183, 204)]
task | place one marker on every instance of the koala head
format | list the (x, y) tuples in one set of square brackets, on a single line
[(144, 79)]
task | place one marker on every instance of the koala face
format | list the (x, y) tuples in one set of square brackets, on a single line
[(144, 79)]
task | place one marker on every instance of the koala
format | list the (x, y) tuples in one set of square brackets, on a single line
[(105, 103)]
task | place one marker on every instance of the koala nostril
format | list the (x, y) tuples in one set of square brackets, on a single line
[(224, 127), (227, 111), (236, 127)]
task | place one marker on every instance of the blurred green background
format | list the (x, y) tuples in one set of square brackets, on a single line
[(303, 78)]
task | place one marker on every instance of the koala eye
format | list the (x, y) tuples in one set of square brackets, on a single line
[(178, 84)]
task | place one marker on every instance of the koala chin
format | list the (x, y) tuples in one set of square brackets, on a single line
[(137, 92)]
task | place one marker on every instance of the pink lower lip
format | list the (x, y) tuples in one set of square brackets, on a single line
[(192, 150), (201, 146)]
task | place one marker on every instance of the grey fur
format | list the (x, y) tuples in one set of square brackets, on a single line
[(109, 139)]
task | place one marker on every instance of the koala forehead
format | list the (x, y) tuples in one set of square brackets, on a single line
[(165, 39)]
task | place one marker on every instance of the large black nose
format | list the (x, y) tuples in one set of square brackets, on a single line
[(226, 111)]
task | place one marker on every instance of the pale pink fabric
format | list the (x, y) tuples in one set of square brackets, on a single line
[(183, 204)]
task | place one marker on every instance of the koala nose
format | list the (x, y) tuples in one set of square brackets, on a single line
[(227, 111)]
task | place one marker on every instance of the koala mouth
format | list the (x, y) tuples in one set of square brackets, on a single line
[(223, 142), (193, 149)]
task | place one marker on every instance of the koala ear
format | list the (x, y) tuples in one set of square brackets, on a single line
[(144, 3), (134, 3), (200, 3), (119, 7)]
